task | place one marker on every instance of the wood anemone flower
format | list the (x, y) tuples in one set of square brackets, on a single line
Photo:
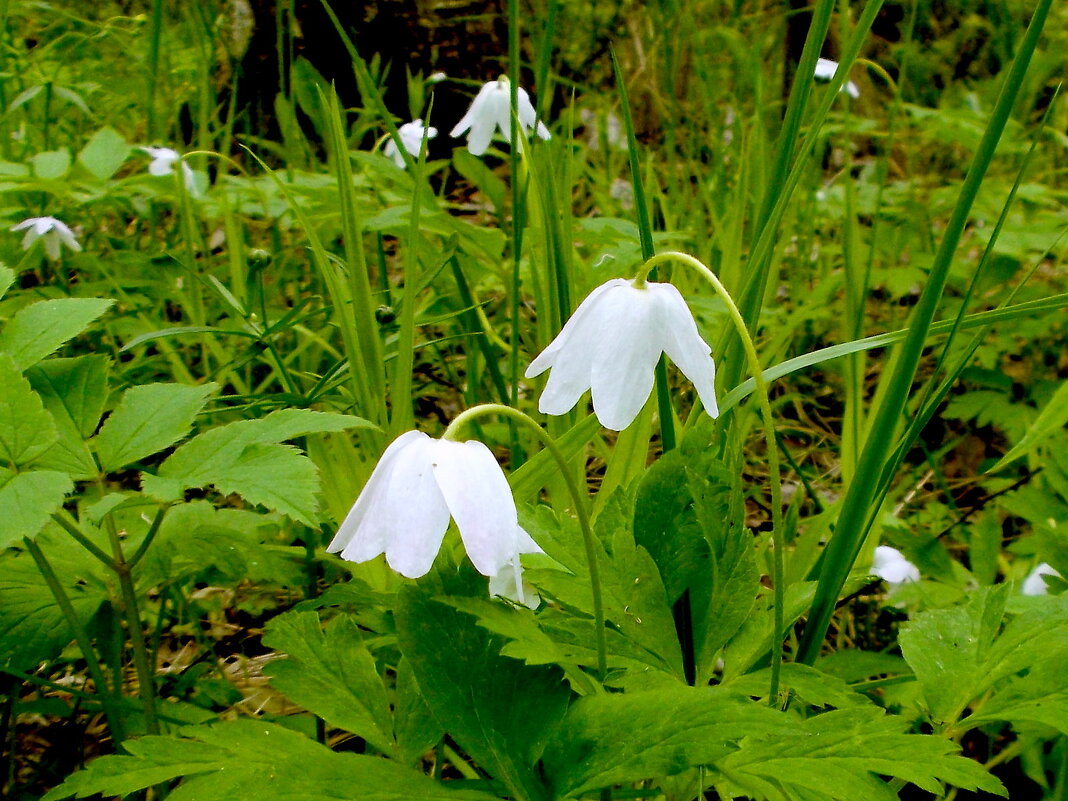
[(490, 111), (1035, 583), (825, 69), (892, 567), (49, 230), (163, 161), (611, 346), (417, 485), (411, 136)]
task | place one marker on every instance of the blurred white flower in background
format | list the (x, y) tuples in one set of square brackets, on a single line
[(49, 230), (163, 161), (825, 69), (411, 134), (417, 485), (892, 567), (611, 345), (490, 112), (1035, 584)]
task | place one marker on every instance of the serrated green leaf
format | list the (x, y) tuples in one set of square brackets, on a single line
[(1040, 696), (839, 756), (7, 278), (32, 626), (276, 476), (40, 328), (230, 760), (500, 711), (74, 392), (331, 674), (26, 429), (104, 153), (148, 419), (28, 500)]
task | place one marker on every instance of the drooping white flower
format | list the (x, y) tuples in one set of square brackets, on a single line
[(51, 231), (420, 482), (163, 161), (1034, 584), (411, 134), (892, 567), (825, 69), (611, 345), (490, 111)]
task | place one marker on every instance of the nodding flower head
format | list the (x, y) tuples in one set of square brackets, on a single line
[(411, 136), (490, 112), (52, 232)]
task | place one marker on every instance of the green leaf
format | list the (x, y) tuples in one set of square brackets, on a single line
[(331, 674), (7, 278), (74, 392), (839, 756), (28, 500), (245, 458), (147, 420), (622, 738), (230, 760), (32, 626), (500, 711), (26, 429), (1040, 696), (51, 163), (104, 153), (40, 328), (1050, 421), (958, 655)]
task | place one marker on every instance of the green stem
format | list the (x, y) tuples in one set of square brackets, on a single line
[(145, 680), (81, 636), (453, 433), (153, 530), (64, 520), (778, 545)]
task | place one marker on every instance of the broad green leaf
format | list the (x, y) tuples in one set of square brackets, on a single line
[(331, 674), (7, 278), (245, 458), (51, 164), (74, 392), (622, 738), (1038, 696), (498, 710), (27, 500), (416, 727), (1050, 421), (104, 153), (147, 420), (40, 328), (635, 603), (32, 626), (235, 759), (26, 429), (840, 756), (958, 655)]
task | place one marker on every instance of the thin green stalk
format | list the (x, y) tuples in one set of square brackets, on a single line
[(577, 498), (778, 544), (81, 636), (146, 687), (153, 530), (155, 31), (65, 521), (851, 530), (516, 230)]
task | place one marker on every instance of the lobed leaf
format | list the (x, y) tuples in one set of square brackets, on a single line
[(40, 328)]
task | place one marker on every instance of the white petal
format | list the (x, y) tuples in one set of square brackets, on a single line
[(476, 111), (1034, 584), (891, 565), (825, 69), (350, 527), (851, 89), (30, 223), (547, 357), (477, 494), (683, 344), (66, 236), (628, 347), (42, 225), (528, 117), (392, 152), (51, 245), (28, 240)]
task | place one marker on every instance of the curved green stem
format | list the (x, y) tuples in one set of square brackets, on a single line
[(778, 545), (453, 433)]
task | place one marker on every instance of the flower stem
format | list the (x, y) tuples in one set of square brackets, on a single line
[(778, 545), (453, 432)]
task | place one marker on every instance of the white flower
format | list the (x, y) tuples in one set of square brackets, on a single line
[(825, 69), (163, 161), (1034, 584), (52, 231), (505, 585), (892, 567), (611, 345), (491, 110), (436, 77), (404, 509), (411, 134)]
